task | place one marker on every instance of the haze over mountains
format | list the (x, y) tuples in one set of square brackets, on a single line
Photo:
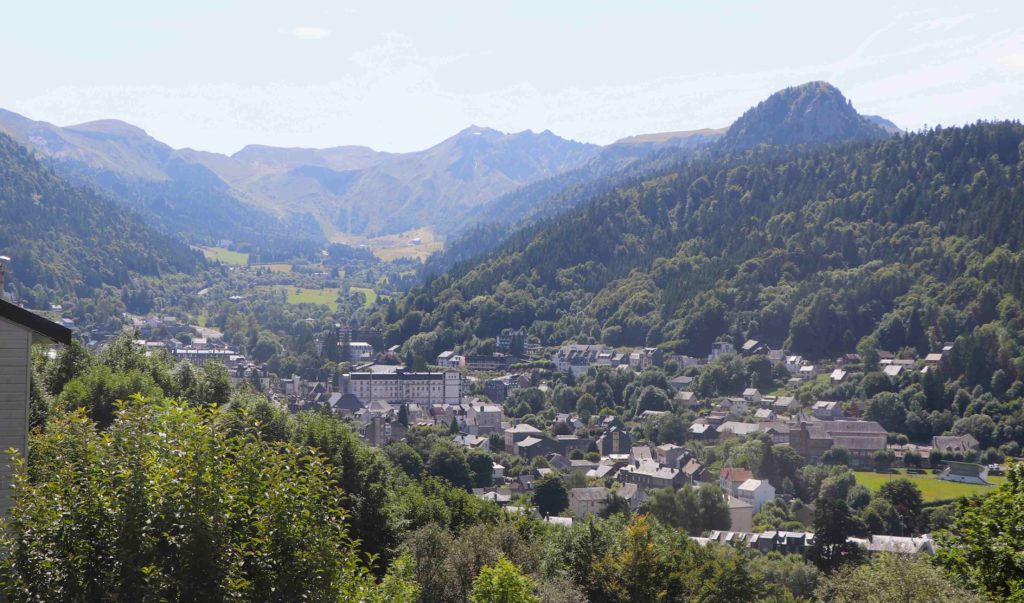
[(261, 193)]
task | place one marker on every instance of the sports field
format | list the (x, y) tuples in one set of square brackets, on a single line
[(931, 487)]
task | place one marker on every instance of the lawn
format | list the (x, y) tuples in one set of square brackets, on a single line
[(931, 487), (226, 256), (371, 295), (324, 297)]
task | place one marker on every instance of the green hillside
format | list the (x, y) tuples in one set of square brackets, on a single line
[(914, 239), (65, 240)]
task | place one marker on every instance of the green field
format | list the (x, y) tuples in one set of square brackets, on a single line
[(931, 487), (324, 297), (226, 256), (371, 295)]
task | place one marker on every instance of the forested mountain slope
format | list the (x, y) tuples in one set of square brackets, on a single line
[(915, 238), (70, 240)]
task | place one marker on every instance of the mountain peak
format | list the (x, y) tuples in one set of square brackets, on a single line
[(812, 112)]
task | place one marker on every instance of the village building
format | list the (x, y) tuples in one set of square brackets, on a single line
[(586, 501)]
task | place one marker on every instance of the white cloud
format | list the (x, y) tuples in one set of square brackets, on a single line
[(1012, 61), (309, 33)]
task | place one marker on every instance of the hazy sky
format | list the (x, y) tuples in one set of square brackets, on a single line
[(217, 75)]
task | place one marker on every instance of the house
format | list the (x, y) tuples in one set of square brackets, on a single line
[(965, 473), (682, 382), (737, 428), (449, 359), (954, 444), (670, 454), (764, 414), (900, 545), (826, 410), (807, 372), (693, 471), (576, 359), (793, 363), (567, 444), (736, 407), (687, 399), (471, 441), (639, 454), (730, 478), (345, 405), (530, 447), (19, 331), (558, 462), (632, 494), (483, 419), (741, 514), (786, 405), (519, 432), (651, 475), (837, 376), (585, 501), (721, 348), (892, 370), (756, 492), (778, 431), (933, 359), (642, 359), (702, 430), (497, 472), (500, 388), (752, 395), (752, 347)]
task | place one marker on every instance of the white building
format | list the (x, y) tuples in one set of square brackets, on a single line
[(584, 501), (359, 351), (394, 385), (756, 492)]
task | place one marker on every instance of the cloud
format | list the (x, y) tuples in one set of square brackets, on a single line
[(309, 33), (1012, 61)]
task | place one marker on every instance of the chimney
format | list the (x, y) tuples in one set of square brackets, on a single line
[(4, 260)]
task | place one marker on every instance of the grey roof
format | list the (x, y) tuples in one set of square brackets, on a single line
[(589, 494)]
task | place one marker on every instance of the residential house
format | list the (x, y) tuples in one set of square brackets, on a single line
[(517, 433), (737, 428), (827, 410), (471, 441), (576, 359), (764, 414), (892, 370), (632, 494), (807, 372), (682, 382), (687, 399), (721, 348), (483, 419), (670, 455), (586, 501), (786, 405), (752, 395), (651, 475), (644, 358), (638, 454), (730, 479), (753, 347), (837, 376), (530, 447), (756, 492), (793, 364), (694, 471), (449, 359), (933, 359)]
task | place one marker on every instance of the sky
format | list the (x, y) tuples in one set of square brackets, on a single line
[(218, 75)]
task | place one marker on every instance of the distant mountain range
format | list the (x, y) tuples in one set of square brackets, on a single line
[(263, 194)]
